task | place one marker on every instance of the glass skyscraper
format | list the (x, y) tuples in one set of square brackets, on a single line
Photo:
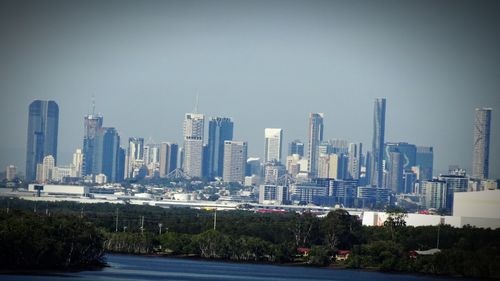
[(378, 142), (481, 144), (220, 129), (43, 123), (92, 128)]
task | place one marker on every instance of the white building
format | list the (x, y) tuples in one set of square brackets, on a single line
[(273, 144), (194, 126), (235, 156), (77, 163), (45, 169), (485, 204), (10, 172), (52, 189)]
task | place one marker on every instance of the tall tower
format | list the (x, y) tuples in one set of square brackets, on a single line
[(220, 129), (235, 159), (43, 123), (109, 154), (135, 155), (92, 128), (315, 136), (355, 153), (481, 144), (273, 146), (378, 142), (168, 158), (194, 125)]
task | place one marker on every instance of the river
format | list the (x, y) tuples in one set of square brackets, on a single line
[(137, 268)]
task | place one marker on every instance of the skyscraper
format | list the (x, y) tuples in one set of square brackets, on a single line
[(378, 142), (355, 153), (296, 147), (109, 149), (43, 123), (235, 158), (273, 144), (194, 125), (168, 158), (315, 136), (92, 127), (395, 175), (77, 163), (135, 156), (425, 162), (481, 143), (220, 129)]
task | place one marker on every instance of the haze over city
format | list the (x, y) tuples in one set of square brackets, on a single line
[(266, 64)]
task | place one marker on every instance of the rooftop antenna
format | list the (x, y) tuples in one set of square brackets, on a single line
[(93, 105), (196, 104)]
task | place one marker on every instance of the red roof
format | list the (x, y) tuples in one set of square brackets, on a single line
[(343, 252), (303, 250)]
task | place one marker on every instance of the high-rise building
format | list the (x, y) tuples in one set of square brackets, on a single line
[(77, 163), (315, 136), (45, 169), (355, 154), (434, 194), (296, 147), (10, 172), (481, 143), (194, 125), (220, 129), (425, 162), (273, 144), (377, 170), (109, 149), (454, 183), (135, 156), (235, 158), (395, 172), (43, 124), (168, 158), (408, 153), (92, 128)]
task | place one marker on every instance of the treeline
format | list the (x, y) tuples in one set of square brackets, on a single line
[(30, 241), (248, 236)]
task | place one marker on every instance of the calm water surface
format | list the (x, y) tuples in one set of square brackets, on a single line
[(156, 268)]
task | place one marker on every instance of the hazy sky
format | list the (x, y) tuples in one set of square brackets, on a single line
[(263, 63)]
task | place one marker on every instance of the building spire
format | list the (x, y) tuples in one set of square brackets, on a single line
[(93, 105), (196, 104)]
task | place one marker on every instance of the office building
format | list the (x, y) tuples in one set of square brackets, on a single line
[(92, 128), (377, 170), (273, 144), (235, 157), (355, 158), (273, 171), (168, 158), (77, 163), (315, 136), (194, 125), (220, 129), (43, 124), (425, 162), (481, 143), (434, 194), (10, 172), (109, 149), (45, 169), (135, 156), (273, 194), (296, 147), (395, 172), (408, 154)]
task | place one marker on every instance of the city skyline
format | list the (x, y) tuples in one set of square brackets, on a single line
[(433, 78)]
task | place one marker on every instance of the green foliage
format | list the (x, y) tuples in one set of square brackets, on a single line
[(31, 241), (36, 239)]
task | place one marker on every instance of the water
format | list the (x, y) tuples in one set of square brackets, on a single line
[(137, 268)]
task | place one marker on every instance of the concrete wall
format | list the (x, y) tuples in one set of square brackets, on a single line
[(480, 204)]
